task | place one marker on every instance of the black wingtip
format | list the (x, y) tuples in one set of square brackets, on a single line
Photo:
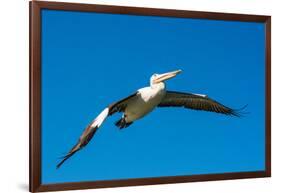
[(63, 160), (67, 156), (239, 112)]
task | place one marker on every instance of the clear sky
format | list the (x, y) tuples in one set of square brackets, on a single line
[(90, 60)]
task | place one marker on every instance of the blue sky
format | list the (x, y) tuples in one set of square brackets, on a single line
[(90, 60)]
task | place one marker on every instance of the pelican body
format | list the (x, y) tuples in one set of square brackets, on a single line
[(146, 99), (143, 101)]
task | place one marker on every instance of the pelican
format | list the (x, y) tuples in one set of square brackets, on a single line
[(143, 102)]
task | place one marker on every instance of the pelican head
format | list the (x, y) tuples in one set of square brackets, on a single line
[(160, 78)]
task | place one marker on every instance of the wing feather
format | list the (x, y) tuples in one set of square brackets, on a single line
[(196, 102), (91, 129)]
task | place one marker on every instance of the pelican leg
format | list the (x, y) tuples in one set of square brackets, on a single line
[(121, 123)]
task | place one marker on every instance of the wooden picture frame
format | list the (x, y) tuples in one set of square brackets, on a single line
[(35, 94)]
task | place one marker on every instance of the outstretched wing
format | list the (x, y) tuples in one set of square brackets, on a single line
[(89, 132), (196, 102)]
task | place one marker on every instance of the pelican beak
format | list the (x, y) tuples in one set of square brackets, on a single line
[(166, 76)]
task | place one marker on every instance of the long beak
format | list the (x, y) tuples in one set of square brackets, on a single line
[(166, 76)]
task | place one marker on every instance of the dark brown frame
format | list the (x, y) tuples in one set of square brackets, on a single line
[(35, 184)]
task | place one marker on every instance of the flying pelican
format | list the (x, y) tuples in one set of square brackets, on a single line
[(144, 101)]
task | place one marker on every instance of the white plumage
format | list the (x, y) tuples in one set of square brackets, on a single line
[(145, 101)]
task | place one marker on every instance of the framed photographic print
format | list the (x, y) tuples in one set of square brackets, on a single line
[(123, 96)]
